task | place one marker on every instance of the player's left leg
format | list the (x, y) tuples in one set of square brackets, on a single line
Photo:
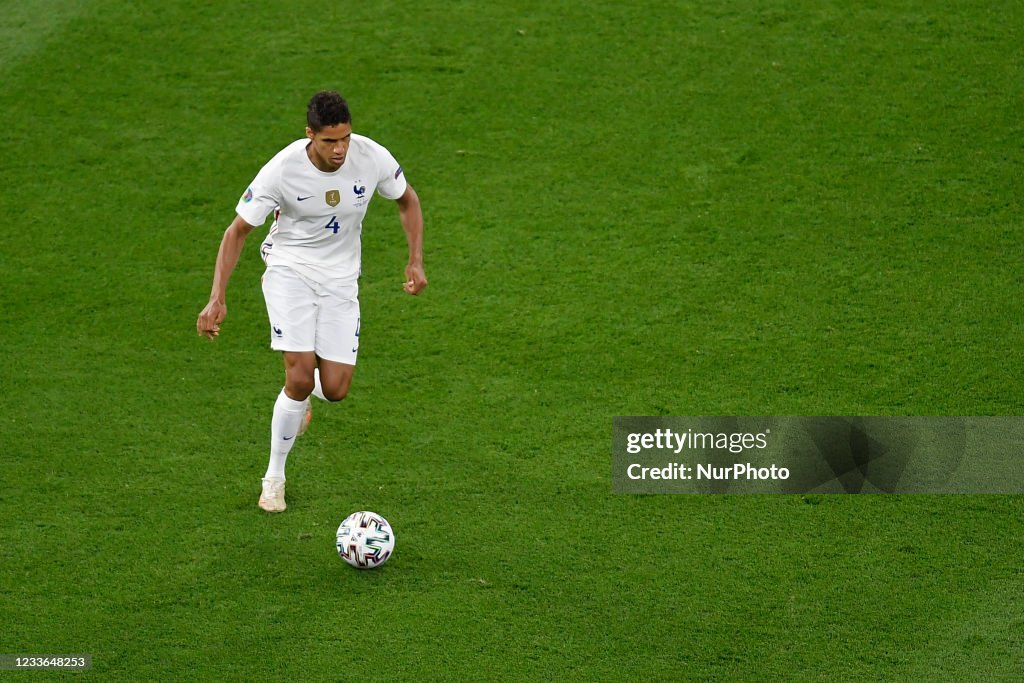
[(335, 378), (337, 342)]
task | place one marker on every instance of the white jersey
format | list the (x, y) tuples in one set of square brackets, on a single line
[(318, 216)]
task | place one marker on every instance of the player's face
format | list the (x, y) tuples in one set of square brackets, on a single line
[(329, 146)]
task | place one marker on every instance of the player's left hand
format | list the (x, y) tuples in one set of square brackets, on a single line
[(415, 279)]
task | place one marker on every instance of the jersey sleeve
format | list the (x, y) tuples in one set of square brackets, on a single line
[(262, 196), (391, 182)]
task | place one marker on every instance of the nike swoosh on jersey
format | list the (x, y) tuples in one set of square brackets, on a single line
[(302, 199)]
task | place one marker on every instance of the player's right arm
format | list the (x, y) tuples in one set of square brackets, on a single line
[(210, 318)]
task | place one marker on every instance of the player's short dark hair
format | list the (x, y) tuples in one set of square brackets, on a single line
[(327, 108)]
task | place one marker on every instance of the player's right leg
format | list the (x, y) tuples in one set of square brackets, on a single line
[(299, 378), (291, 307)]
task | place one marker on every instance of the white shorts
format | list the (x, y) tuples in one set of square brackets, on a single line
[(308, 316)]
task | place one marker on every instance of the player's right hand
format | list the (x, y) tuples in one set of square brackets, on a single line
[(208, 323)]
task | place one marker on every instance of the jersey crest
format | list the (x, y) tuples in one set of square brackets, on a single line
[(332, 197)]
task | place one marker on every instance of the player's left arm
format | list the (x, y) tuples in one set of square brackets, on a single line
[(411, 216)]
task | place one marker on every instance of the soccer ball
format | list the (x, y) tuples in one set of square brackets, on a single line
[(365, 540)]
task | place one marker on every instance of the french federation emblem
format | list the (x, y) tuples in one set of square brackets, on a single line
[(332, 197)]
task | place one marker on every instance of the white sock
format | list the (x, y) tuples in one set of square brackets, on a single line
[(284, 426), (318, 391)]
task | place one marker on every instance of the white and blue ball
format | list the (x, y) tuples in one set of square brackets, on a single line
[(365, 540)]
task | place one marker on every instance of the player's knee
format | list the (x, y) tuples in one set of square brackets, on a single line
[(337, 393), (299, 385)]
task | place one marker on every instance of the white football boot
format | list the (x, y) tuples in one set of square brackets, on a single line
[(307, 418), (272, 498)]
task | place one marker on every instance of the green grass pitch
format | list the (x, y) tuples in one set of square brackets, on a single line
[(652, 208)]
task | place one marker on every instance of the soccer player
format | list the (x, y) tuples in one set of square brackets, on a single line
[(318, 189)]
